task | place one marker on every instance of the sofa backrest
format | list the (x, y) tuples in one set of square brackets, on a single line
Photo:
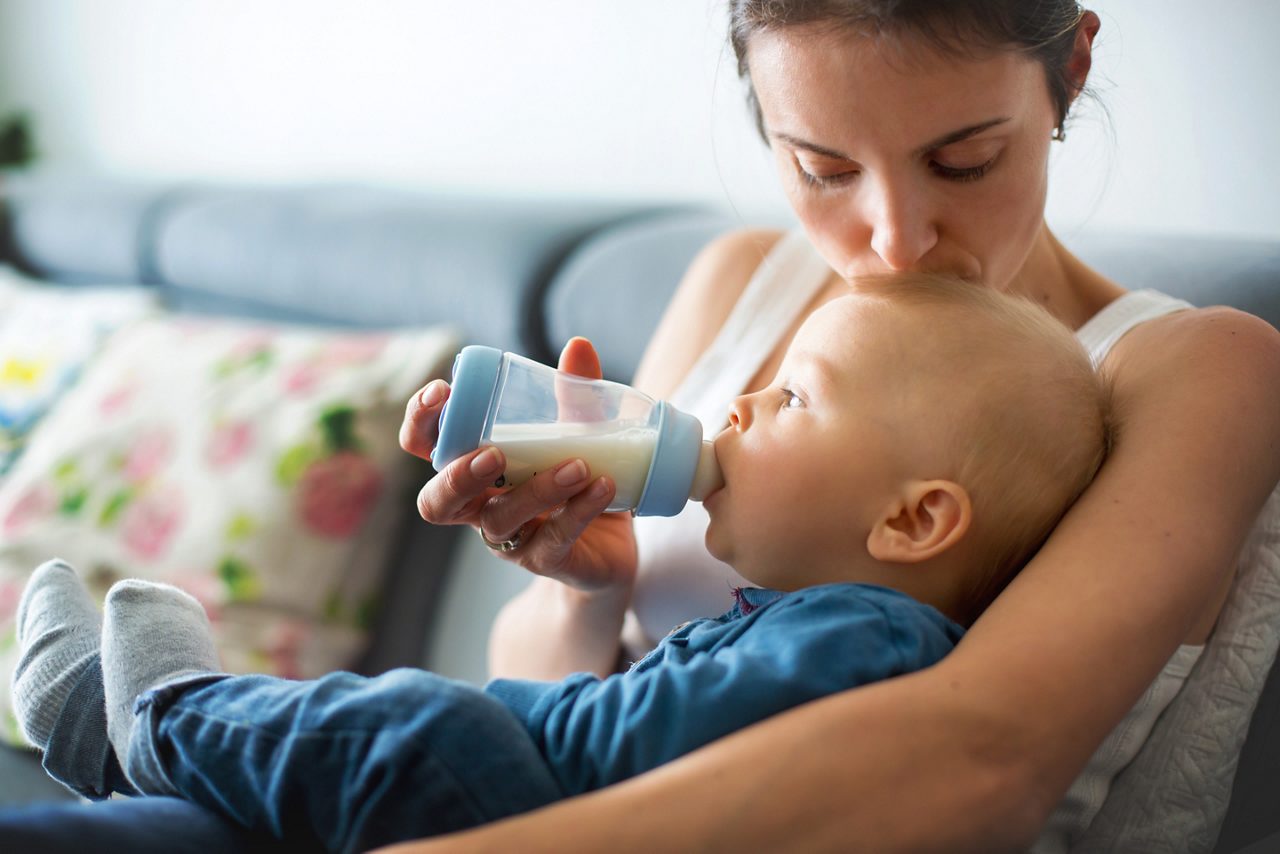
[(344, 255)]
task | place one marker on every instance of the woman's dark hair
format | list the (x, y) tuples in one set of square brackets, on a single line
[(1044, 29)]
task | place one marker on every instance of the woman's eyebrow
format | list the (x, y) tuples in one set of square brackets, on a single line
[(797, 142), (959, 135), (944, 140)]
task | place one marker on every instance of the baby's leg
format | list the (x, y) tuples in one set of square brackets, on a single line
[(58, 633), (350, 762), (57, 685), (153, 634)]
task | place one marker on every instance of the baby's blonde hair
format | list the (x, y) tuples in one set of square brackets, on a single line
[(1035, 428)]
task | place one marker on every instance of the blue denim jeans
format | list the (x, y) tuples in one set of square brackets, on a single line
[(346, 762)]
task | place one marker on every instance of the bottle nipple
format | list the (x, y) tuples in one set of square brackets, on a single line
[(706, 477)]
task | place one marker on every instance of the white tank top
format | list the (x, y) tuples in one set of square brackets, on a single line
[(679, 580)]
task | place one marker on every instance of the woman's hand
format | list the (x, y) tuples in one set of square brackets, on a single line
[(558, 515)]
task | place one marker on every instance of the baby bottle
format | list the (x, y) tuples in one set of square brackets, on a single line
[(538, 416)]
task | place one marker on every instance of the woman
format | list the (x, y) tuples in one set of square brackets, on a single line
[(908, 136)]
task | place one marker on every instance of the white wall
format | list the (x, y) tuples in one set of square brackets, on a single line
[(590, 97)]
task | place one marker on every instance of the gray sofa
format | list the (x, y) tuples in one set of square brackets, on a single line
[(520, 274)]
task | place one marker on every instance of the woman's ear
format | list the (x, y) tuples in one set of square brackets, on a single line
[(1082, 52), (924, 520)]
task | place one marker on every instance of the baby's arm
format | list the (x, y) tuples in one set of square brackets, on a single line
[(810, 644)]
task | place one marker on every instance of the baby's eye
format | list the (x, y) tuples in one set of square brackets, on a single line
[(790, 400)]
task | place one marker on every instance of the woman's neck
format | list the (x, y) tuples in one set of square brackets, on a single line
[(1062, 283)]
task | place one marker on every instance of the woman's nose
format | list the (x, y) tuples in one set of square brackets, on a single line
[(902, 226)]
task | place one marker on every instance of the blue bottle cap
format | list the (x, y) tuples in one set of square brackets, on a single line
[(475, 378), (675, 459)]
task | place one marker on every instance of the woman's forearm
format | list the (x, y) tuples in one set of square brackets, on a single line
[(905, 765), (551, 630)]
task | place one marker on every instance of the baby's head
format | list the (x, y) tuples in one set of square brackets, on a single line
[(923, 433)]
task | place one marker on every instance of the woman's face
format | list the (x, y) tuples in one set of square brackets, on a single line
[(898, 157)]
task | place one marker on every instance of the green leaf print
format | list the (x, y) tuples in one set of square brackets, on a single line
[(66, 470), (241, 527), (333, 607), (224, 368), (73, 502), (241, 582), (261, 360), (294, 462), (115, 504), (367, 613), (338, 424)]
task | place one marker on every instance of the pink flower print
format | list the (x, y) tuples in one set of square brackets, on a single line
[(299, 380), (251, 345), (204, 586), (151, 522), (336, 493), (228, 444), (117, 400), (335, 355), (284, 648), (10, 593), (353, 349), (151, 451), (39, 500)]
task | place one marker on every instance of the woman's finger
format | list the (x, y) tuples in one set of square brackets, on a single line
[(546, 490), (577, 401), (553, 542), (446, 498), (421, 426), (579, 358)]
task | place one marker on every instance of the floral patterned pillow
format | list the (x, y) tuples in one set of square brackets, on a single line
[(47, 336), (256, 467)]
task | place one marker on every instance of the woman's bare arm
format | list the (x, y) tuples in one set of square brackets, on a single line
[(973, 753), (550, 630)]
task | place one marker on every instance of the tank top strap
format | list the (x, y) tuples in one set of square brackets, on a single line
[(1101, 332), (784, 283)]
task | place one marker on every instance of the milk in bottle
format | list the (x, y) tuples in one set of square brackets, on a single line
[(539, 417)]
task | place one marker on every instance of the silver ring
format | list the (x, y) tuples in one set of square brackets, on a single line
[(503, 546)]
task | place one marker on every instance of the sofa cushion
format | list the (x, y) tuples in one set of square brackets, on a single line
[(1202, 270), (47, 335), (615, 286), (258, 467), (366, 256), (75, 229)]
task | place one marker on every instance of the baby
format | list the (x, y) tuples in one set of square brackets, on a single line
[(922, 438)]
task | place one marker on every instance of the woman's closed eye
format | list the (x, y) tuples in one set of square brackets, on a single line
[(826, 181), (961, 173)]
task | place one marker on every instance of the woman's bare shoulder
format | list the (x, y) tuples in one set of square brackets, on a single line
[(706, 295), (1220, 352)]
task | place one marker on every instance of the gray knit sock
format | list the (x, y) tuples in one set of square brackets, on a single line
[(152, 633), (59, 631)]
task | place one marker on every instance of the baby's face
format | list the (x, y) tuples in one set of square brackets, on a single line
[(809, 461)]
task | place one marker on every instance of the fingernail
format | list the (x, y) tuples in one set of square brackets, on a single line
[(599, 488), (486, 463), (431, 395), (571, 472)]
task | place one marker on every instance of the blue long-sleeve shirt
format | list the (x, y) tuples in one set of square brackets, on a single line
[(770, 652)]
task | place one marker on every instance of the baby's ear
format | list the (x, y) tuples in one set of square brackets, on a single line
[(926, 518)]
